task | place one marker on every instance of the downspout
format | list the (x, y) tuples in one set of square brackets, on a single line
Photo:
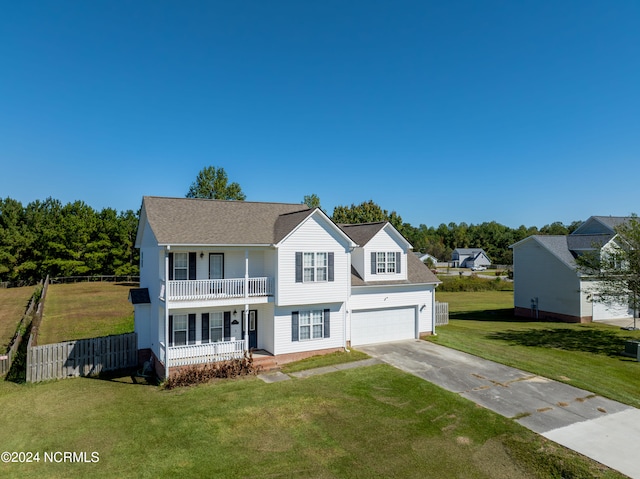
[(433, 310), (166, 312), (347, 304)]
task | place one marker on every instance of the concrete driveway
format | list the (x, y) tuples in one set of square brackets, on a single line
[(600, 428)]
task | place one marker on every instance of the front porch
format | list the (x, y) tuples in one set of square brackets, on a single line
[(182, 356), (189, 354)]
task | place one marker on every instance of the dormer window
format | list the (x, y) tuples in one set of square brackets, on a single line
[(385, 262)]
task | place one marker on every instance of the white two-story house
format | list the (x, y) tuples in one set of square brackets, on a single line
[(218, 278)]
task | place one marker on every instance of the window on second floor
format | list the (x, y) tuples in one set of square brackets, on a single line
[(180, 266), (386, 262), (313, 267)]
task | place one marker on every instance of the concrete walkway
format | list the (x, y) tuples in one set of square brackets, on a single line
[(599, 428), (277, 376)]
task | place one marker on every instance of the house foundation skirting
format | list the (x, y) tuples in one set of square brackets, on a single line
[(550, 316)]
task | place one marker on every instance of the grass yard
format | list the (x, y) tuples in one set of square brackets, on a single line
[(13, 304), (480, 303), (366, 422), (85, 310), (583, 355)]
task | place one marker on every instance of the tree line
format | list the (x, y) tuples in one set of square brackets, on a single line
[(440, 241), (47, 237)]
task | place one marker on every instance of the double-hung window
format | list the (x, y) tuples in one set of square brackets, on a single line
[(314, 267), (311, 325), (180, 266), (385, 262), (309, 267)]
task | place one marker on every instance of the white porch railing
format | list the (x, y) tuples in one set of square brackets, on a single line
[(202, 289), (205, 353)]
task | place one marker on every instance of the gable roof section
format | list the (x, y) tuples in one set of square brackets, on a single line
[(189, 221), (470, 251), (602, 224), (286, 224), (362, 233), (587, 242), (417, 273)]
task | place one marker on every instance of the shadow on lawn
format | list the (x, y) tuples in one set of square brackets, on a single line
[(489, 315), (126, 376), (596, 341)]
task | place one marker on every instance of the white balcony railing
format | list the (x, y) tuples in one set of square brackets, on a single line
[(202, 289), (205, 353)]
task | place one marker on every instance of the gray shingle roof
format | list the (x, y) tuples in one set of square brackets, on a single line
[(558, 246), (582, 242), (362, 233), (189, 221)]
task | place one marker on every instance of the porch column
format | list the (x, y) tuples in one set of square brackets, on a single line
[(166, 313), (246, 295), (246, 327)]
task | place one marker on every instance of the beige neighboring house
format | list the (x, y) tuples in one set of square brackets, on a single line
[(547, 283)]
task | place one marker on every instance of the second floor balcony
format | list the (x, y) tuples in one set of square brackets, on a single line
[(219, 289)]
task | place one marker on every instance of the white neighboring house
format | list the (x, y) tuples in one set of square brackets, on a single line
[(547, 283), (469, 258), (218, 278), (426, 256)]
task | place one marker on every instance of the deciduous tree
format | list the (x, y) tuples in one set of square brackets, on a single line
[(615, 267), (212, 183)]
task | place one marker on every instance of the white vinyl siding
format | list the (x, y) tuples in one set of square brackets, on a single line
[(540, 275), (317, 237), (282, 329), (384, 246)]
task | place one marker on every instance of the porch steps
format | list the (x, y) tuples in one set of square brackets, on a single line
[(267, 362)]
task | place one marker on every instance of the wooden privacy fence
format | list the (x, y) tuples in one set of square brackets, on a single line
[(442, 313), (83, 357), (7, 358)]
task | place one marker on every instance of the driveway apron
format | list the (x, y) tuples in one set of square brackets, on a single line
[(599, 428)]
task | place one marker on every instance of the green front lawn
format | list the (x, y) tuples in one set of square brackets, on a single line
[(583, 355), (85, 310), (13, 304), (367, 422)]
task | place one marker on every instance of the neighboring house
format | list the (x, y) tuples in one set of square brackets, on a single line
[(469, 258), (426, 257), (547, 283), (218, 278)]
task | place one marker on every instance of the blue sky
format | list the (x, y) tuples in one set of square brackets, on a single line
[(522, 112)]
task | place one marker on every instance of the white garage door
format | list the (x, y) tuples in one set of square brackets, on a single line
[(382, 325)]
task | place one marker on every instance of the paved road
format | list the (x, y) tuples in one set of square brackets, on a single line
[(600, 428)]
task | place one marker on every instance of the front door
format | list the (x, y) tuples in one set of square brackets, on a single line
[(253, 329), (216, 266)]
